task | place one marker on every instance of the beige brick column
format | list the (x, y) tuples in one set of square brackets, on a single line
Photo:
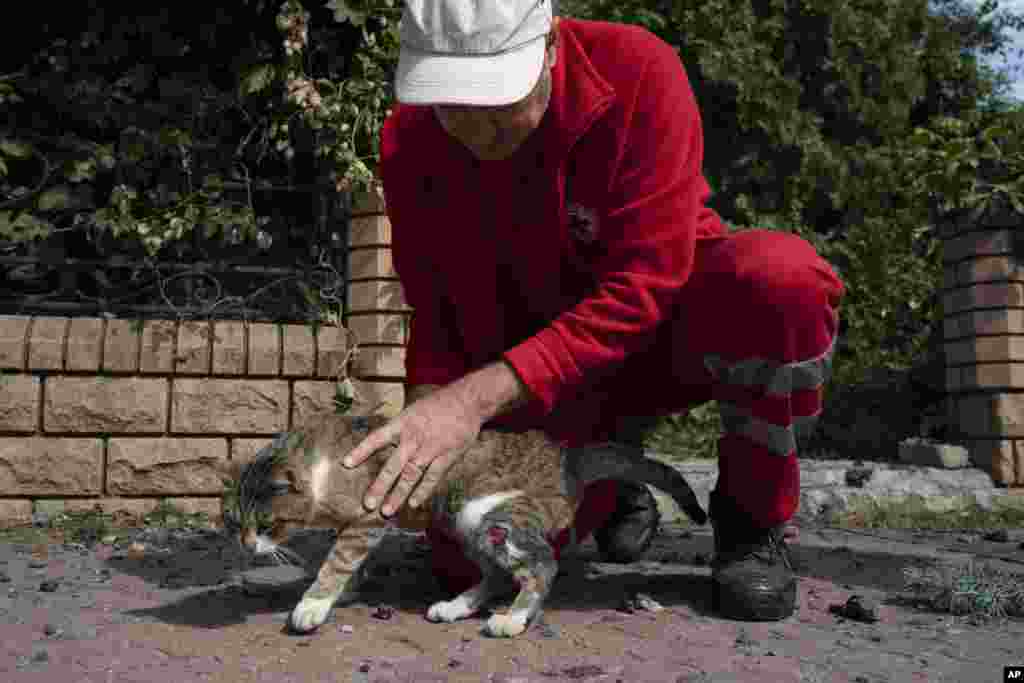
[(377, 314), (983, 331)]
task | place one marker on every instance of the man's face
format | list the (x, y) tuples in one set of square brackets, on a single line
[(492, 133)]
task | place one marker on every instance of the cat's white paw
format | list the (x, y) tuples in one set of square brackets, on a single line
[(505, 625), (448, 611), (310, 614)]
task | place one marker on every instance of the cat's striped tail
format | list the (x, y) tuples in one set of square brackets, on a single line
[(609, 460)]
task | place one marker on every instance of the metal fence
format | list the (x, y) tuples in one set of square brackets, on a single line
[(295, 268)]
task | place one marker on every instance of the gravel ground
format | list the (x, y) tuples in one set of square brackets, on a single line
[(177, 612)]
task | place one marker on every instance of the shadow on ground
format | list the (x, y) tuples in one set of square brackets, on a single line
[(204, 594)]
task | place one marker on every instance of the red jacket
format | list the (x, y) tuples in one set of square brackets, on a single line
[(564, 258)]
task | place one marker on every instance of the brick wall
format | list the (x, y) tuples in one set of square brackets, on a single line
[(125, 413), (983, 331)]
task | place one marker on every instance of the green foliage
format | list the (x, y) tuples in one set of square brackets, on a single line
[(688, 435), (169, 516), (967, 164), (86, 527), (21, 226), (157, 221)]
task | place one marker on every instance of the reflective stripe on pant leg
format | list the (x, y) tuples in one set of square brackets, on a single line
[(775, 405)]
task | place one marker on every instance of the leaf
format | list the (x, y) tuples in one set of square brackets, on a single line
[(15, 148), (55, 199), (78, 170), (172, 137), (24, 228), (344, 13), (257, 79), (343, 400)]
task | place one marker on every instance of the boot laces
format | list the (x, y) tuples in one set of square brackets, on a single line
[(765, 549), (773, 546)]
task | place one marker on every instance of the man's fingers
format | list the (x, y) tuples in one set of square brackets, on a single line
[(388, 475), (411, 474), (431, 479), (373, 442)]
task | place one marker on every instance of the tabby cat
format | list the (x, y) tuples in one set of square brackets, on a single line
[(503, 500)]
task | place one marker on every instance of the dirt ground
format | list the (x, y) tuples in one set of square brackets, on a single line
[(88, 614)]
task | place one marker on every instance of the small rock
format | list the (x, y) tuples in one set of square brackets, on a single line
[(51, 630), (346, 628), (647, 603), (700, 559), (364, 668), (4, 577), (998, 536), (857, 609), (40, 656), (639, 601), (40, 519), (454, 663), (37, 564), (856, 477), (383, 612), (49, 586)]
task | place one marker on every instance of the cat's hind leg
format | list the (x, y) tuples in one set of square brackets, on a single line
[(469, 602), (521, 549), (337, 582)]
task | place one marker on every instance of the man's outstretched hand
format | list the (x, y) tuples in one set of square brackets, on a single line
[(433, 432), (430, 435)]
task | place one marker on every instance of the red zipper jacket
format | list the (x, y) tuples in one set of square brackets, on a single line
[(564, 258)]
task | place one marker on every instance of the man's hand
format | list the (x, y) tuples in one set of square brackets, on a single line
[(432, 432)]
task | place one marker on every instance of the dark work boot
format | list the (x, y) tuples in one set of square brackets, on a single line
[(628, 533), (752, 573)]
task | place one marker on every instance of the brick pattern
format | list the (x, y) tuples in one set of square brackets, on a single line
[(122, 414), (983, 332)]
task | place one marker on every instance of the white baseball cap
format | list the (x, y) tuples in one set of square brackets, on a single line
[(471, 52)]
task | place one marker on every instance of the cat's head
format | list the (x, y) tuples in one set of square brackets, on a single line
[(281, 489)]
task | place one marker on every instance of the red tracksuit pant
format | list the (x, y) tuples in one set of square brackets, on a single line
[(754, 329)]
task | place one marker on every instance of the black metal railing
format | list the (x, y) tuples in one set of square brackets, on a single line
[(292, 271)]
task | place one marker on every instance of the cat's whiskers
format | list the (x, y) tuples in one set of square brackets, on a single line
[(290, 556)]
